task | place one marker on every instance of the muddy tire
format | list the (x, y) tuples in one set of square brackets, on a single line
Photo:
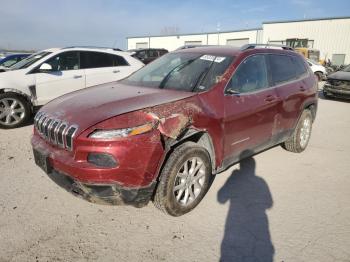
[(14, 111), (184, 180), (301, 135)]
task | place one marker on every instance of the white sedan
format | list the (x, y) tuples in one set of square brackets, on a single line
[(50, 73)]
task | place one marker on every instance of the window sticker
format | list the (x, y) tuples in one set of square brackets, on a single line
[(219, 59), (208, 57)]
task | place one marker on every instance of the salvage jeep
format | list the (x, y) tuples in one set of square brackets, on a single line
[(163, 133)]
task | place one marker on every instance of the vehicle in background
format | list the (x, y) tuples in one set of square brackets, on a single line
[(50, 73), (319, 70), (147, 55), (302, 47), (164, 132), (10, 60), (338, 84)]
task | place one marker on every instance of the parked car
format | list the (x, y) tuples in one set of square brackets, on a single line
[(10, 60), (164, 132), (338, 84), (147, 55), (43, 76), (318, 69)]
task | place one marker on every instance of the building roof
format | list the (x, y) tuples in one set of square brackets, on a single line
[(306, 20)]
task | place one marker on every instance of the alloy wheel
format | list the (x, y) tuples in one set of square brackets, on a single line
[(189, 181), (12, 111)]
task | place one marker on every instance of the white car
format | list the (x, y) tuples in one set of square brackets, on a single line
[(319, 70), (50, 73)]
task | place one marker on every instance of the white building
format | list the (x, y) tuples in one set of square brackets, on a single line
[(329, 35)]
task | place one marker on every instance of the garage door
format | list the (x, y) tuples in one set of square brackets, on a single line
[(237, 42), (141, 45)]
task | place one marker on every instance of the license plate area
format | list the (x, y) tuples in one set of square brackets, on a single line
[(42, 160)]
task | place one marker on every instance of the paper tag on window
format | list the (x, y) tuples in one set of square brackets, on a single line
[(208, 57), (219, 59)]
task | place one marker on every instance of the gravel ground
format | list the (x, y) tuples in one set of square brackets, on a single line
[(280, 206)]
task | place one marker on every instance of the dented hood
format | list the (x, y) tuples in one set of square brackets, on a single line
[(340, 75), (90, 106)]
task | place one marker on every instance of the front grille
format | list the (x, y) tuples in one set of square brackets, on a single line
[(55, 131)]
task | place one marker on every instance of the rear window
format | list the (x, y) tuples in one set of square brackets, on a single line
[(282, 68)]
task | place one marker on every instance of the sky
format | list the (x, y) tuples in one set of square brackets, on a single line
[(39, 24)]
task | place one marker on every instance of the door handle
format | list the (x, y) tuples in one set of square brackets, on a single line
[(116, 71), (302, 88), (77, 76), (270, 98)]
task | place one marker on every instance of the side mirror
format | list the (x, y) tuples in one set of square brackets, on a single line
[(231, 91), (45, 67)]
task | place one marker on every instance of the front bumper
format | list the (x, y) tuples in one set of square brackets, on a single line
[(335, 91), (111, 194), (131, 182)]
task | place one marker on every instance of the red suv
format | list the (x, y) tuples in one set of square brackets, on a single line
[(164, 132)]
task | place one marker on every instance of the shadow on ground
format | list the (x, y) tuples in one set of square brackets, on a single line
[(247, 235)]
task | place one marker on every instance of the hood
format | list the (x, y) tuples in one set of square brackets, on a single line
[(90, 106), (340, 75)]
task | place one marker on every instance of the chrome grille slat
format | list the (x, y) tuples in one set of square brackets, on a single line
[(55, 131)]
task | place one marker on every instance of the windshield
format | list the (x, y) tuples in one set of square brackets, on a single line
[(29, 60), (182, 71)]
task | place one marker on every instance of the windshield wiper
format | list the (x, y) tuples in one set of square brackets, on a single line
[(179, 67)]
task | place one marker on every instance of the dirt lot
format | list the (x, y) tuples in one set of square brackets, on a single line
[(280, 206)]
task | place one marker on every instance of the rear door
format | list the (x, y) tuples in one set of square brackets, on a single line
[(65, 76), (288, 79), (250, 113), (103, 68)]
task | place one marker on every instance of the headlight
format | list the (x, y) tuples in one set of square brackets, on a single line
[(125, 132)]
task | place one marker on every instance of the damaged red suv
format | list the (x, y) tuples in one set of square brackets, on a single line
[(164, 132)]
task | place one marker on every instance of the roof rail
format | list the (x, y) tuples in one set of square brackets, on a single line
[(267, 45), (95, 47)]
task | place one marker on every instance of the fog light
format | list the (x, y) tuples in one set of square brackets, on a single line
[(102, 160)]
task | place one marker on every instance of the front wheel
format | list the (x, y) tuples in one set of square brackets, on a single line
[(14, 111), (301, 135), (184, 180)]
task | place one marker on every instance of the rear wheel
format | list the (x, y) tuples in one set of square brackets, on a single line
[(301, 135), (14, 110), (184, 180)]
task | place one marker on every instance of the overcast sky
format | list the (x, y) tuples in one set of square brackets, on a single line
[(38, 24)]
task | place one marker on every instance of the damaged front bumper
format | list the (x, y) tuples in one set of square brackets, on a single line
[(109, 194), (336, 91)]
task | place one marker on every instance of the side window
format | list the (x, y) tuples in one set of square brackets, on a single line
[(299, 65), (64, 61), (119, 61), (99, 60), (250, 76), (282, 68)]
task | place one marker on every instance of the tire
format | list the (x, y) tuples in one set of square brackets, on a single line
[(299, 140), (14, 111), (177, 202)]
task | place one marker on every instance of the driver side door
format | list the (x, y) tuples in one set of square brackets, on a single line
[(250, 108), (64, 77)]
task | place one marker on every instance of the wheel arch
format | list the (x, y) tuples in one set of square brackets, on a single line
[(199, 137)]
